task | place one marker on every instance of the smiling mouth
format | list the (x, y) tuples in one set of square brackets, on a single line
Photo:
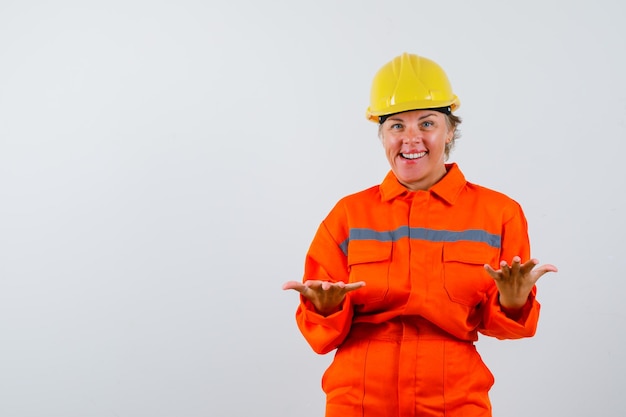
[(412, 156)]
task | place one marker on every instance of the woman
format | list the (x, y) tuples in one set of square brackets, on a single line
[(401, 277)]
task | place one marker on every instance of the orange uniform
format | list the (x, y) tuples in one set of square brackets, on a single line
[(405, 340)]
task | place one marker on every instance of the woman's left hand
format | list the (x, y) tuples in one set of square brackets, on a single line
[(515, 282)]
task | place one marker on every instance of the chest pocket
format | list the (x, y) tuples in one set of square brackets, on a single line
[(369, 261), (465, 278)]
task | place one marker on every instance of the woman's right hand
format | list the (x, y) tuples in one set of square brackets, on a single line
[(326, 296)]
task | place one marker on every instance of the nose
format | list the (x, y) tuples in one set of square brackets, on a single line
[(412, 135)]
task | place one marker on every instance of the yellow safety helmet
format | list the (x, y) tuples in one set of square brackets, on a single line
[(410, 82)]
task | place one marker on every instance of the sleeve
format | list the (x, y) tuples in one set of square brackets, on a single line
[(326, 261), (495, 322)]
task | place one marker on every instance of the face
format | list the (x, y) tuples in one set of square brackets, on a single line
[(414, 143)]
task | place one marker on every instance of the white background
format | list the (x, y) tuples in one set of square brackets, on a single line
[(165, 164)]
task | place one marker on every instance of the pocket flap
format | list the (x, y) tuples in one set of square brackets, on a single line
[(366, 251), (469, 253)]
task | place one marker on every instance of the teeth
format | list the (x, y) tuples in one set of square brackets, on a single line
[(413, 155)]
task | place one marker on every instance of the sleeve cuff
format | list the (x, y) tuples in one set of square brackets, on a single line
[(338, 316)]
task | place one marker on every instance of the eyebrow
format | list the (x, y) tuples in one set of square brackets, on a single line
[(402, 120)]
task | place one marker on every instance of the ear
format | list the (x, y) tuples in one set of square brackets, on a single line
[(449, 136)]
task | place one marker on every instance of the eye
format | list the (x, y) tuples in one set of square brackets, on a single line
[(396, 126), (428, 123)]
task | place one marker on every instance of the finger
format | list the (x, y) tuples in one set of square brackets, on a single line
[(494, 274), (302, 289), (293, 285), (515, 265), (504, 267), (297, 286), (354, 286), (549, 267), (544, 269), (529, 265), (327, 285)]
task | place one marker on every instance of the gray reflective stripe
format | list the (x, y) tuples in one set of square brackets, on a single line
[(344, 246), (388, 236), (472, 235), (420, 233)]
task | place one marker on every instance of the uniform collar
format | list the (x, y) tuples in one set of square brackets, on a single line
[(448, 188)]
